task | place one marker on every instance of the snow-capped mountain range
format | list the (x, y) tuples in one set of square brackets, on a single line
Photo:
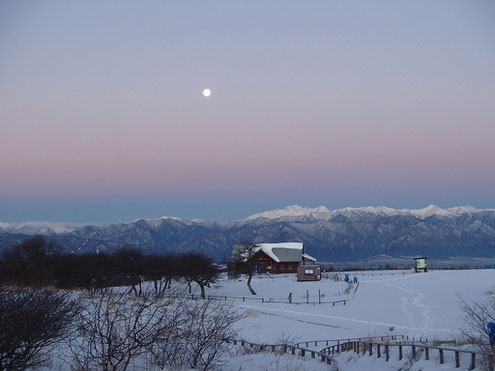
[(343, 234), (322, 212)]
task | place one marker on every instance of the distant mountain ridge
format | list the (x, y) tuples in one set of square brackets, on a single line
[(343, 234), (323, 212)]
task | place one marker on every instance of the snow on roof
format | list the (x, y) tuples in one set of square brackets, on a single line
[(308, 257), (280, 252)]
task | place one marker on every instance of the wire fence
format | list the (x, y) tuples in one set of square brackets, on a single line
[(264, 300)]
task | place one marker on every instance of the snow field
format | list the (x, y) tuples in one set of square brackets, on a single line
[(424, 305)]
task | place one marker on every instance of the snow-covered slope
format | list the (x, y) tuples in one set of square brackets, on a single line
[(322, 212), (426, 306), (38, 227), (293, 210)]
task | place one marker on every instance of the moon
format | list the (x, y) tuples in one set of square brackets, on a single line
[(207, 92)]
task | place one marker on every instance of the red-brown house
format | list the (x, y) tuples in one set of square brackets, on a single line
[(282, 257)]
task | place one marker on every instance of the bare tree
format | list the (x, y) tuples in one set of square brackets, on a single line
[(197, 338), (32, 323), (200, 269), (243, 261), (211, 322), (161, 269), (28, 263), (477, 316), (116, 327), (175, 332)]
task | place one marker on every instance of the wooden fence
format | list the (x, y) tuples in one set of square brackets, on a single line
[(265, 300), (287, 349), (383, 349), (329, 342)]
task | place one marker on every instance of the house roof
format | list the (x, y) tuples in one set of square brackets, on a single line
[(308, 257), (280, 252)]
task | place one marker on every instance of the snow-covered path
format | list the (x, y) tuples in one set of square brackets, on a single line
[(412, 303)]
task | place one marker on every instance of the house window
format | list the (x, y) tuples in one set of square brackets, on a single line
[(309, 271)]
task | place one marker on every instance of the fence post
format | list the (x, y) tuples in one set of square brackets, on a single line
[(312, 354), (440, 352), (371, 348), (457, 361), (319, 296), (303, 353), (427, 353), (387, 354), (378, 354), (413, 350), (400, 352)]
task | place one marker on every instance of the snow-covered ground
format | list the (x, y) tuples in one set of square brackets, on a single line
[(425, 305)]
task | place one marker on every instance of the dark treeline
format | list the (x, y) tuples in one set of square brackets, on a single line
[(39, 263)]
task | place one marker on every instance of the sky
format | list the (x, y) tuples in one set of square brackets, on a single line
[(335, 103)]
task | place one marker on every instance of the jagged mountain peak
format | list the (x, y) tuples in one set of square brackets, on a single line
[(376, 210), (322, 212), (289, 211), (156, 222)]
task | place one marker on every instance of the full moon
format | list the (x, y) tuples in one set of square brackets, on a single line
[(207, 92)]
